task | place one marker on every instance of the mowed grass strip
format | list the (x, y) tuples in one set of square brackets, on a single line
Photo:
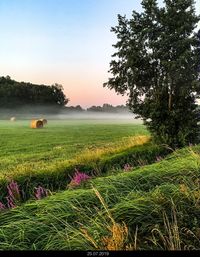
[(59, 140), (157, 204)]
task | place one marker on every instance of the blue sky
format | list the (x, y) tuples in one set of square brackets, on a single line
[(63, 41)]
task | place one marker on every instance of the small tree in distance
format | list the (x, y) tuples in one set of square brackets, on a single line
[(157, 65)]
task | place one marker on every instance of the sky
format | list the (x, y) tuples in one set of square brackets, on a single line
[(63, 41)]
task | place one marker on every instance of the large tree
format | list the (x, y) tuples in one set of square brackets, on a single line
[(156, 65)]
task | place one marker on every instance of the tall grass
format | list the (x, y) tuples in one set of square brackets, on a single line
[(117, 234), (170, 239), (148, 208)]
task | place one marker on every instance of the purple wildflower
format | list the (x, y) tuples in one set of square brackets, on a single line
[(78, 178), (13, 191), (127, 167), (2, 206), (40, 193), (10, 202)]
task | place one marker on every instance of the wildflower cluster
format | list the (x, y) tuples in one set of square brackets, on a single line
[(13, 196), (2, 206), (40, 192), (127, 167), (78, 178)]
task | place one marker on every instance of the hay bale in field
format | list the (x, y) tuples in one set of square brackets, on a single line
[(12, 119), (44, 121), (36, 124)]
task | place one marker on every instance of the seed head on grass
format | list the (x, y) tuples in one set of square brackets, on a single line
[(169, 239), (117, 239), (117, 234)]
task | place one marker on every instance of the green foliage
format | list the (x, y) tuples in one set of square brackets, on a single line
[(136, 156), (146, 198), (156, 64), (108, 108), (16, 94)]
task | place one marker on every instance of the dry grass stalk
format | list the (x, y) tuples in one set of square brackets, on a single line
[(118, 233), (171, 238), (118, 238)]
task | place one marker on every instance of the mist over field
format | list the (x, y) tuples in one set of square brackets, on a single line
[(51, 113), (99, 116)]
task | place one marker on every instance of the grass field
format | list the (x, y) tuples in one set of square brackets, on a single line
[(59, 140), (29, 154), (154, 205)]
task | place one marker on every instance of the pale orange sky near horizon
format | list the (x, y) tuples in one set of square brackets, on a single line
[(63, 41), (83, 87)]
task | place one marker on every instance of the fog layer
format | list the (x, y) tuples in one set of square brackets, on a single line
[(27, 113)]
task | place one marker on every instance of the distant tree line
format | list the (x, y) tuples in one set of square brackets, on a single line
[(26, 98), (17, 94), (108, 108)]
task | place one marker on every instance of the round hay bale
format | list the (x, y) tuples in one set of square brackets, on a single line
[(36, 124), (44, 121), (12, 119)]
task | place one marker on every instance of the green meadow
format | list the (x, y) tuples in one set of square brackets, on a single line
[(47, 155), (58, 141), (152, 205)]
